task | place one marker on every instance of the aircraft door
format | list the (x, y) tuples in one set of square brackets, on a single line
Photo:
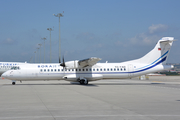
[(34, 74), (130, 70)]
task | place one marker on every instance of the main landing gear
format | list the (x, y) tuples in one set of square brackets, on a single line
[(83, 81)]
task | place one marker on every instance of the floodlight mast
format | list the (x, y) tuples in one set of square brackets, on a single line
[(37, 55), (44, 47), (50, 29), (30, 59), (40, 51), (59, 15)]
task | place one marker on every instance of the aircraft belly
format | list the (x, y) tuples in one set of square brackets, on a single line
[(115, 76), (76, 77), (48, 76)]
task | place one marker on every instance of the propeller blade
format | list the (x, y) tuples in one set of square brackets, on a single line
[(63, 64), (59, 60), (63, 60)]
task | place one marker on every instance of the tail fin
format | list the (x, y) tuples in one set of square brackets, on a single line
[(160, 52)]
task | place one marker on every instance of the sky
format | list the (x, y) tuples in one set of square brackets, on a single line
[(113, 30)]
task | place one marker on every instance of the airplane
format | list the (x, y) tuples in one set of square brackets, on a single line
[(87, 70), (5, 66)]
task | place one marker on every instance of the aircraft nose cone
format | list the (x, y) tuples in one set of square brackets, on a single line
[(3, 75)]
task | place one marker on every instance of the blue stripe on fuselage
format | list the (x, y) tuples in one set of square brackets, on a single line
[(150, 66), (154, 61)]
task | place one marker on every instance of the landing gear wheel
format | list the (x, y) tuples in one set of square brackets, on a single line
[(86, 82), (81, 82), (13, 83)]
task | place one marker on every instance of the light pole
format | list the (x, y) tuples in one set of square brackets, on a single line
[(40, 51), (59, 15), (30, 59), (50, 29), (37, 55), (44, 47)]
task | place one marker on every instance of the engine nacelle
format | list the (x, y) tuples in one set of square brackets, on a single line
[(80, 63), (72, 64)]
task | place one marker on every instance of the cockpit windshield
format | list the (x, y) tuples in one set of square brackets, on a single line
[(15, 68)]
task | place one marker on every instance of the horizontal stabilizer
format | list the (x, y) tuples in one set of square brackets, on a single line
[(166, 39)]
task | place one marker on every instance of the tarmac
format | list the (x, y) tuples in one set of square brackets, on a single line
[(118, 99)]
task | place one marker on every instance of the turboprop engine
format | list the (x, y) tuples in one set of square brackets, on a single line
[(80, 63), (72, 64)]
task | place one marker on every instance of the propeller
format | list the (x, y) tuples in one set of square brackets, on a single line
[(63, 63)]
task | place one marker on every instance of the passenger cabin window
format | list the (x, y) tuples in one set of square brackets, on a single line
[(58, 70)]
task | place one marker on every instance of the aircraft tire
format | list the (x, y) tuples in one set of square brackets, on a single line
[(81, 82), (13, 83), (86, 82)]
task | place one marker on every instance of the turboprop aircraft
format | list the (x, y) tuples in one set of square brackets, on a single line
[(5, 66), (87, 70)]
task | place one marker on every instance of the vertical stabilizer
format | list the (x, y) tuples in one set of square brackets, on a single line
[(160, 52)]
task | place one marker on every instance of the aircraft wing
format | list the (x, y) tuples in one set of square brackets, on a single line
[(80, 63), (88, 62)]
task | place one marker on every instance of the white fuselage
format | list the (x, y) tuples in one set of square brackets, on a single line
[(96, 72)]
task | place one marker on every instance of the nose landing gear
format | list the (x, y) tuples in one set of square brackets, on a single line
[(13, 82)]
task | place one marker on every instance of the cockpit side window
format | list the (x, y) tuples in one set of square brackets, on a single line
[(15, 68)]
